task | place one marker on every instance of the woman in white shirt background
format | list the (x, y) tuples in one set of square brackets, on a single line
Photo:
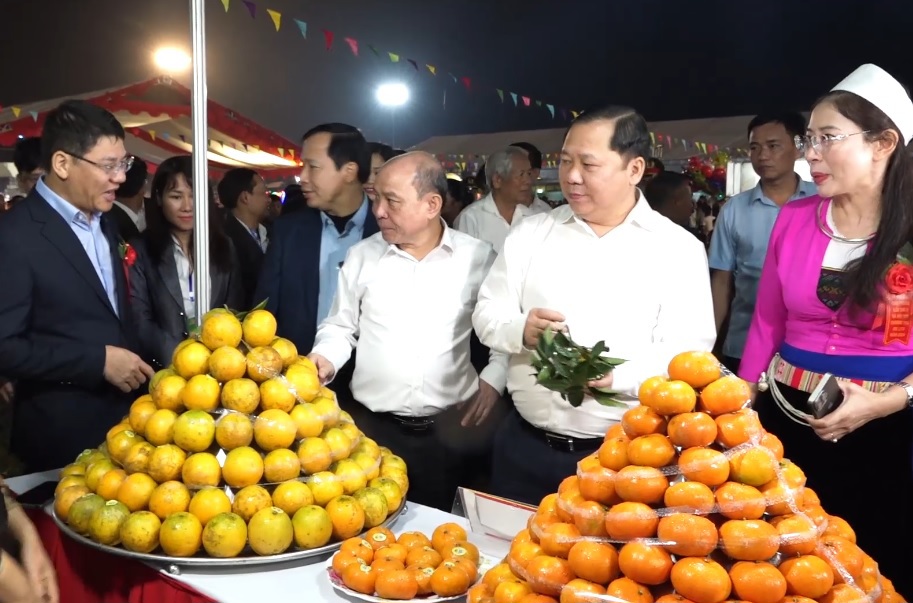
[(162, 281)]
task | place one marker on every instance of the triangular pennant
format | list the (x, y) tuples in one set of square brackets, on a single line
[(251, 8), (276, 16), (183, 138), (413, 63), (302, 27), (16, 111), (374, 50), (255, 147), (244, 146), (575, 114), (652, 139), (551, 109), (225, 4), (685, 144), (353, 45), (152, 134), (328, 38), (165, 136), (394, 58), (453, 77), (526, 100), (281, 152), (291, 153), (513, 95), (500, 94), (432, 69), (34, 115), (467, 82)]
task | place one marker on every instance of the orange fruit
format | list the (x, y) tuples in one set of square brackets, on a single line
[(580, 591), (65, 499), (522, 552), (837, 526), (181, 535), (242, 467), (201, 469), (749, 539), (207, 503), (773, 443), (672, 398), (462, 549), (547, 575), (343, 559), (138, 457), (844, 593), (511, 592), (270, 531), (358, 547), (690, 497), (798, 535), (109, 483), (644, 563), (380, 537), (704, 465), (687, 535), (395, 550), (558, 538), (845, 553), (347, 516), (140, 411), (446, 534), (596, 483), (225, 536), (498, 574), (615, 431), (692, 429), (740, 501), (274, 429), (613, 453), (697, 369), (422, 578), (276, 393), (807, 576), (263, 363), (479, 593), (449, 580), (397, 584), (166, 462), (654, 450), (641, 484), (589, 517), (648, 389), (170, 497), (249, 501), (642, 420), (411, 540), (726, 394), (467, 566), (629, 520), (234, 430), (594, 561), (781, 499), (425, 556), (135, 491), (758, 582), (625, 589), (280, 466), (755, 466), (739, 427), (241, 395), (701, 580), (359, 577), (201, 393)]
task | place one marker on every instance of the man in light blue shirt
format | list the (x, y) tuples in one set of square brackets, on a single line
[(742, 230)]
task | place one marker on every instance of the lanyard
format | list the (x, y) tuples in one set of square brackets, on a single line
[(190, 287)]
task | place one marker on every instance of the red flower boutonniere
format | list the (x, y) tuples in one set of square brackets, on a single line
[(128, 257), (896, 311)]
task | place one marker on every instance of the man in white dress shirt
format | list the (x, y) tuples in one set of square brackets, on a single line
[(604, 267), (508, 173), (404, 301)]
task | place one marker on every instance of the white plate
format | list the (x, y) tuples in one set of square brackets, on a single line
[(485, 564)]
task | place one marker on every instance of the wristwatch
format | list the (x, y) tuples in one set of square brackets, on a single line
[(907, 388)]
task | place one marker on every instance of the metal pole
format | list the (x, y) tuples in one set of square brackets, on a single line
[(200, 165)]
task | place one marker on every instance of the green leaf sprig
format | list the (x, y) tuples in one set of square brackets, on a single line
[(567, 367)]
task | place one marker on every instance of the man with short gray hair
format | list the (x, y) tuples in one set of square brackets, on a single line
[(508, 174), (405, 301)]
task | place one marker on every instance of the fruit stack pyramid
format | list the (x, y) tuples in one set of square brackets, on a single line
[(236, 448), (688, 500)]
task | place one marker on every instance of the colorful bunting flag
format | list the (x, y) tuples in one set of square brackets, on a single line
[(34, 115), (302, 27), (413, 63), (353, 45), (251, 8), (394, 58), (225, 4), (525, 100), (500, 94), (374, 50), (551, 109), (276, 16), (575, 114), (513, 95), (281, 152), (453, 77), (328, 38), (152, 134), (16, 111), (467, 82), (432, 69)]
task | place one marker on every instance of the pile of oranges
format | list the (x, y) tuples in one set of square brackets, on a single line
[(688, 500), (236, 449), (410, 566)]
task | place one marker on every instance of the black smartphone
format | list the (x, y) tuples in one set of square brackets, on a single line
[(39, 496), (826, 397)]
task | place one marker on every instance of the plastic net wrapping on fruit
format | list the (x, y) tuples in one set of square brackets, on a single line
[(241, 428), (697, 507)]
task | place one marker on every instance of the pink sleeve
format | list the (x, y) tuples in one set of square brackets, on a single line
[(768, 324)]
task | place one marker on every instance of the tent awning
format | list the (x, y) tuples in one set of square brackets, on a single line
[(156, 115)]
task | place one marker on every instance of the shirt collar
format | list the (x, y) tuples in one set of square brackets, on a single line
[(67, 210), (357, 221), (804, 189), (641, 215), (446, 244)]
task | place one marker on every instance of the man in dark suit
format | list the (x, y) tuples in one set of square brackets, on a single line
[(129, 210), (308, 246), (247, 203), (65, 329)]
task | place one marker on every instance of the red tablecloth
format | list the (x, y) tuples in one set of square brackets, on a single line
[(86, 575)]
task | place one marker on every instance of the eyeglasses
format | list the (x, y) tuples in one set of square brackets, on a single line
[(821, 142), (109, 168)]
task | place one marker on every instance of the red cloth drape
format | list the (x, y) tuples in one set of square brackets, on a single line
[(86, 575)]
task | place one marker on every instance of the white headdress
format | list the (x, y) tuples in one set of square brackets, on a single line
[(877, 86)]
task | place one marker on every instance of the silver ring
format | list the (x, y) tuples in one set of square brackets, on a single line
[(834, 440)]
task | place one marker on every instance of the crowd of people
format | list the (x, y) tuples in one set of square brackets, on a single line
[(421, 306)]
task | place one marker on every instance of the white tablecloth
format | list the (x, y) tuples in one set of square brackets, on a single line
[(293, 581)]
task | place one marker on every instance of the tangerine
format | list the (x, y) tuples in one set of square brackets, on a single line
[(446, 535), (642, 420), (580, 591), (654, 450), (589, 517), (726, 394), (672, 398), (629, 520), (755, 466), (749, 539), (807, 576), (225, 536), (625, 589), (596, 483), (359, 577), (692, 429), (739, 427), (837, 551), (758, 582), (613, 453), (242, 467), (547, 575), (701, 580), (697, 369), (798, 535), (687, 535), (690, 497), (357, 547), (641, 484), (740, 501), (645, 563), (207, 503), (521, 553), (170, 497), (398, 584), (648, 389), (270, 531), (449, 580), (704, 465)]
